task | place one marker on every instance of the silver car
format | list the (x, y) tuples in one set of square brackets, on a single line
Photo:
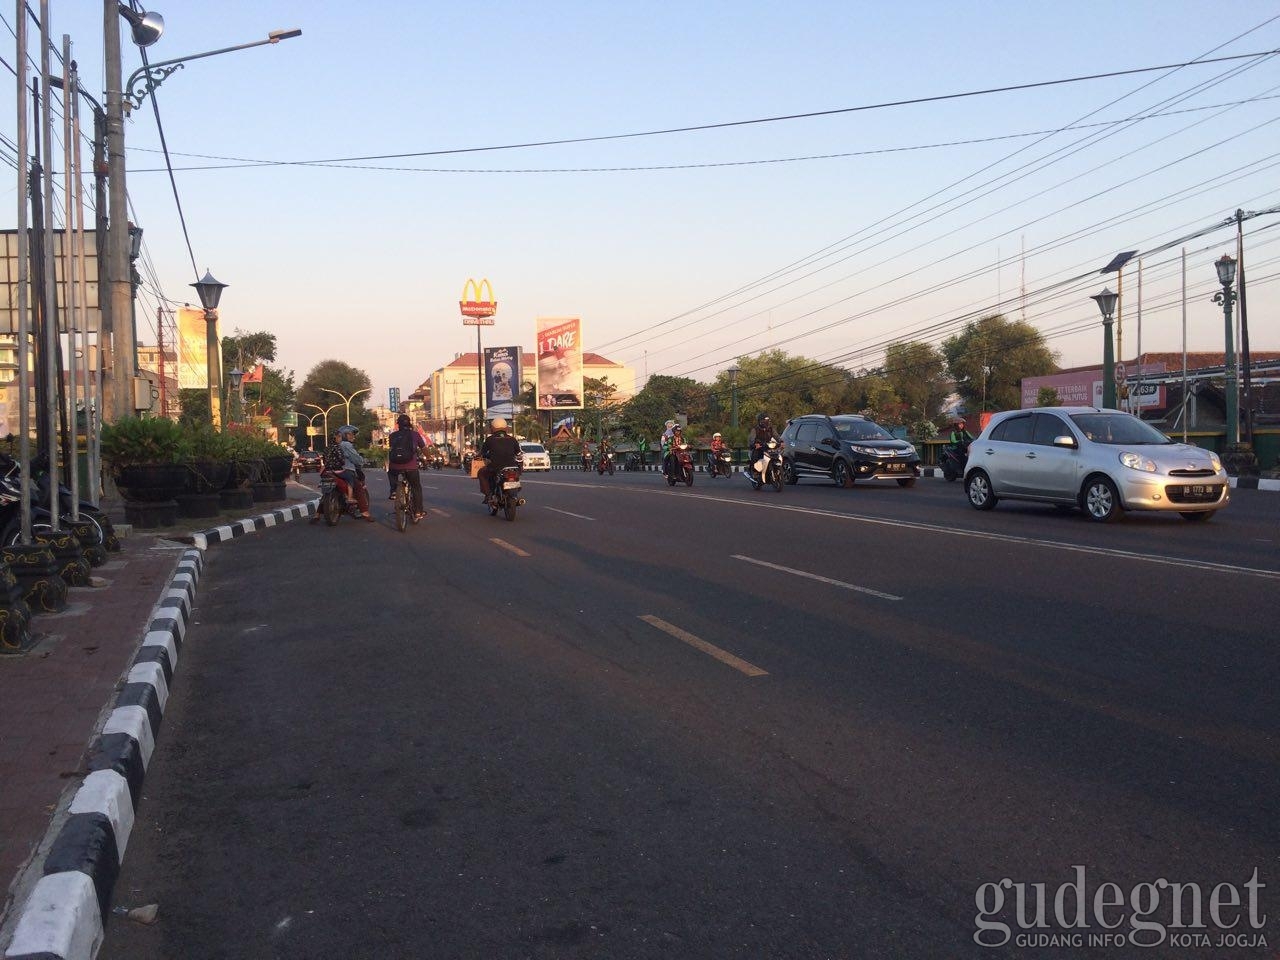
[(1103, 461)]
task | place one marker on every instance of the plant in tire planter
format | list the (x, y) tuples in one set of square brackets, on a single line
[(147, 456), (210, 464)]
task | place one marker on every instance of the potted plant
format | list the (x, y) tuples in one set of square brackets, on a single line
[(147, 457), (211, 460)]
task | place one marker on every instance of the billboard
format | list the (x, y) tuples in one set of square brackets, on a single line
[(9, 280), (501, 380), (193, 352), (1084, 388), (559, 349)]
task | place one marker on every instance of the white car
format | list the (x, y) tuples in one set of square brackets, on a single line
[(535, 456)]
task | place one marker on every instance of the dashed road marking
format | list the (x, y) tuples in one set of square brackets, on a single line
[(724, 656), (508, 546), (439, 512), (569, 513), (814, 576)]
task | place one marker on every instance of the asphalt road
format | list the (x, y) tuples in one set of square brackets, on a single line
[(709, 723)]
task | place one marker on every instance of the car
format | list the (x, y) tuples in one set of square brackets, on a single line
[(305, 461), (1103, 462), (845, 448), (535, 456)]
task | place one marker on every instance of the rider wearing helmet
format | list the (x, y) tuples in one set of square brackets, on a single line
[(404, 446), (960, 435), (499, 450), (761, 434), (353, 468), (717, 444), (670, 440)]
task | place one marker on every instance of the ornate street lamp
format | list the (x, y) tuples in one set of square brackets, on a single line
[(210, 291), (236, 376), (1106, 301), (1226, 267)]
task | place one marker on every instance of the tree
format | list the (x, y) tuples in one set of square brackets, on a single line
[(661, 399), (917, 374), (783, 386), (347, 380), (1048, 397), (989, 358), (597, 406), (246, 350)]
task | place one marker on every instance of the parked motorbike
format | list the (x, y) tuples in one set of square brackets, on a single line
[(506, 493), (768, 469), (680, 467), (605, 464), (719, 465), (41, 521), (953, 461), (337, 498), (632, 462)]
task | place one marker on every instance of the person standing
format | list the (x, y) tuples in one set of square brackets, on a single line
[(644, 452), (403, 448)]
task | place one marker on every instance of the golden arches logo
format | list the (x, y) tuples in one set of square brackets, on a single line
[(477, 299)]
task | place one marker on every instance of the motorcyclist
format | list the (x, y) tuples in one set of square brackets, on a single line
[(669, 445), (960, 435), (604, 451), (353, 469), (718, 447), (585, 453), (499, 450), (760, 436)]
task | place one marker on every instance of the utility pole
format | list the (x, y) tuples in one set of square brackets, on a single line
[(119, 288)]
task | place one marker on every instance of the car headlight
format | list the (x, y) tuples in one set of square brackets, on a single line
[(865, 451), (1136, 461), (1217, 463)]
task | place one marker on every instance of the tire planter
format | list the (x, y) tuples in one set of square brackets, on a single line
[(279, 468), (147, 515), (207, 476), (152, 482)]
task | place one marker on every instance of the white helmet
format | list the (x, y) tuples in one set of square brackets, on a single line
[(715, 436)]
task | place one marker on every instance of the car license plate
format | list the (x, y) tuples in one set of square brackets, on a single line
[(1197, 489), (895, 466), (511, 485)]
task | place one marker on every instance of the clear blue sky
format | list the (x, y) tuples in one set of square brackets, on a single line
[(367, 263)]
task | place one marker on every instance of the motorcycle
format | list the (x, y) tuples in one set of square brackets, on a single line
[(768, 469), (104, 534), (632, 462), (680, 466), (437, 460), (719, 465), (337, 498), (953, 461), (586, 461), (506, 493), (605, 464)]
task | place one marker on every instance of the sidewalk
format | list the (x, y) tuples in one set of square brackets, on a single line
[(54, 699)]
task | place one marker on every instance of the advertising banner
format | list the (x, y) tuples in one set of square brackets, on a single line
[(559, 351), (501, 380), (193, 352), (1084, 388)]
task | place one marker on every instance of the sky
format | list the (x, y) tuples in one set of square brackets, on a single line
[(827, 236)]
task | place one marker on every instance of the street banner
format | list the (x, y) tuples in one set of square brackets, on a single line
[(501, 380), (193, 349), (559, 351)]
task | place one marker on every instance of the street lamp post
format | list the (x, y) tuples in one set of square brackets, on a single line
[(733, 394), (237, 384), (311, 419), (210, 291), (1226, 267), (324, 412), (1106, 301), (346, 398)]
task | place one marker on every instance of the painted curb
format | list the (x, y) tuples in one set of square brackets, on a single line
[(207, 538), (64, 915)]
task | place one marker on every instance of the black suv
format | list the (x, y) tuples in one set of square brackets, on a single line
[(845, 448)]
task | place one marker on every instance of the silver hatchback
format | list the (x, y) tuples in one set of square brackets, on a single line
[(1102, 461)]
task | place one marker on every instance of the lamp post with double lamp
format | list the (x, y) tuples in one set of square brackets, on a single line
[(1226, 267), (346, 398), (210, 291), (1106, 301), (311, 419), (324, 412)]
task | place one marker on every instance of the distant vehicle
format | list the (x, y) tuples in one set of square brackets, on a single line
[(306, 461), (846, 448), (1102, 461), (535, 456)]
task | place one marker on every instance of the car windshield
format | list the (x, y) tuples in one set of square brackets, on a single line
[(860, 429), (1113, 428), (532, 448)]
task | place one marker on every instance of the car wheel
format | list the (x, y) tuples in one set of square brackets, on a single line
[(841, 475), (906, 481), (1101, 500), (789, 473), (978, 488), (1197, 516)]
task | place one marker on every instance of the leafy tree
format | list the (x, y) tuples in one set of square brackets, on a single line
[(246, 350), (1048, 397), (347, 380), (917, 373), (661, 399), (598, 406), (782, 386), (989, 358), (194, 406)]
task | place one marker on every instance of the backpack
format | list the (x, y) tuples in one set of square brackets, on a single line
[(402, 447)]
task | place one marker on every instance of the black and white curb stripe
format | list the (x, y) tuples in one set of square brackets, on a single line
[(63, 918), (222, 534), (1254, 483)]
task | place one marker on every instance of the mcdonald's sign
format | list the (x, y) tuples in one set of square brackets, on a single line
[(477, 303)]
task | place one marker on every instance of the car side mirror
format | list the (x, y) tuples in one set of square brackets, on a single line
[(830, 442), (1065, 441)]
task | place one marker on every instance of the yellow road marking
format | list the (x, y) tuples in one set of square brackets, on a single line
[(508, 546), (724, 656)]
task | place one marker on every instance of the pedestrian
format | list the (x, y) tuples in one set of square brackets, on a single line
[(644, 449)]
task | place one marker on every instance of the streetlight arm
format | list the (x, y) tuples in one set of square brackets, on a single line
[(146, 78)]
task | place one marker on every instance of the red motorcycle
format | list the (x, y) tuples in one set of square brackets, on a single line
[(680, 466), (337, 497)]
